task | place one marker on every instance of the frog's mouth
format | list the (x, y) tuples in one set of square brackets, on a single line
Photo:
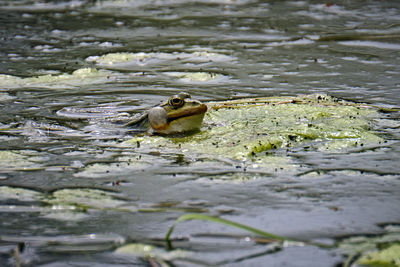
[(200, 109)]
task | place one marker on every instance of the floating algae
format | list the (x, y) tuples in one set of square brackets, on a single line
[(77, 78), (12, 160), (132, 60), (68, 204), (16, 193), (142, 58), (255, 131), (148, 251), (84, 198), (196, 76), (382, 250), (389, 256)]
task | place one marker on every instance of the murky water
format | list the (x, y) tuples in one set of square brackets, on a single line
[(80, 194)]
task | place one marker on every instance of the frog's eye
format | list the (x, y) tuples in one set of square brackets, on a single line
[(176, 101)]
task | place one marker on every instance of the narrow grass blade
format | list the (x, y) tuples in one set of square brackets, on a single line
[(203, 217)]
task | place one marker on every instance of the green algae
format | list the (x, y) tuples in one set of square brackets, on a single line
[(77, 78), (381, 250), (143, 58), (105, 169), (195, 76), (87, 76), (15, 193), (113, 58), (12, 159), (84, 199), (69, 204), (148, 252), (70, 198), (75, 204), (260, 132), (388, 257), (21, 160), (120, 167)]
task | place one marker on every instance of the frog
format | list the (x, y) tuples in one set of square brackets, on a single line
[(180, 114)]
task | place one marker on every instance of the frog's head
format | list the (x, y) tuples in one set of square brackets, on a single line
[(179, 114)]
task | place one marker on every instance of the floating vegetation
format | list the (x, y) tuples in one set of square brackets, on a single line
[(151, 253), (196, 76), (380, 250), (388, 256), (261, 132), (77, 78), (64, 204), (18, 160), (15, 193), (98, 170), (142, 58), (84, 199), (204, 217)]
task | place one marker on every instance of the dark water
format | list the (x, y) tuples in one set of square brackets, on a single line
[(257, 48)]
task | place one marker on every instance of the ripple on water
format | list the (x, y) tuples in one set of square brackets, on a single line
[(165, 47), (42, 6)]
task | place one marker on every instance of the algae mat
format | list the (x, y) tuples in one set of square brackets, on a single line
[(260, 133)]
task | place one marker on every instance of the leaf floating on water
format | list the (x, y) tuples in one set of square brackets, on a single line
[(261, 132)]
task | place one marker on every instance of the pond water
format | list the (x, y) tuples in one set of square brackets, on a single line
[(71, 194)]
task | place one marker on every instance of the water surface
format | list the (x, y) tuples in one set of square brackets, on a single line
[(59, 133)]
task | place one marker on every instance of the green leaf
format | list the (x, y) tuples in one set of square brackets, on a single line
[(192, 216)]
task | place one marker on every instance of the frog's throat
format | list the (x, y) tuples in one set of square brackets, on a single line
[(202, 108)]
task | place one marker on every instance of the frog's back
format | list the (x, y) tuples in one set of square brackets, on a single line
[(139, 122)]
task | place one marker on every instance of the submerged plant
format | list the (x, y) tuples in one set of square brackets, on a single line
[(260, 233)]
